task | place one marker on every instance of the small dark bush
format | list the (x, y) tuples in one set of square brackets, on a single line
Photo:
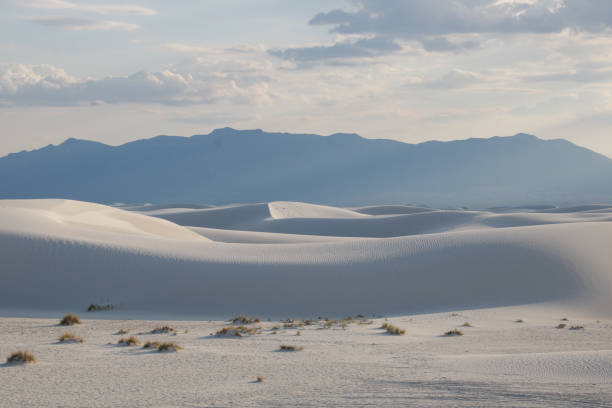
[(129, 341), (70, 320), (94, 307), (70, 338), (22, 357), (162, 347), (289, 347)]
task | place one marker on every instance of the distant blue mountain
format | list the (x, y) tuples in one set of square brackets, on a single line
[(231, 165)]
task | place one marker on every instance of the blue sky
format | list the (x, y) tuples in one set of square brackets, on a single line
[(411, 70)]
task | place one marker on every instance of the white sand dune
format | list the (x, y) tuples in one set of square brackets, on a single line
[(65, 254)]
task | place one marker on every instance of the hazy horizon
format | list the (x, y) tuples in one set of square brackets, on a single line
[(118, 144)]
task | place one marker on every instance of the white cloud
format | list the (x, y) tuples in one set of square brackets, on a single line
[(117, 9), (192, 82)]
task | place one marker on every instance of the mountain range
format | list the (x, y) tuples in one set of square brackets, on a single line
[(229, 166)]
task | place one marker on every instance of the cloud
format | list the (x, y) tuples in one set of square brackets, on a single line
[(431, 23), (366, 47), (193, 82), (82, 24), (585, 75), (117, 9), (454, 79), (441, 44), (399, 18)]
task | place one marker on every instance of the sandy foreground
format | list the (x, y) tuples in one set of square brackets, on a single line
[(497, 362), (515, 274)]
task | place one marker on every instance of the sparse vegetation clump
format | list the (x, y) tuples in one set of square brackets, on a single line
[(166, 347), (244, 319), (561, 326), (467, 324), (391, 329), (454, 332), (260, 378), (129, 341), (151, 344), (94, 307), (363, 321), (519, 321), (21, 357), (238, 331), (122, 331), (70, 320), (290, 347), (576, 328), (70, 338), (163, 330)]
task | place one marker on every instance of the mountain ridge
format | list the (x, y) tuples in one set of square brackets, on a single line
[(229, 165)]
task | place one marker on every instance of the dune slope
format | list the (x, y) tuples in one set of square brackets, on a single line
[(56, 261)]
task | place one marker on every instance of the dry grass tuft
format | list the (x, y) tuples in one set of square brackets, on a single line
[(70, 338), (151, 344), (163, 330), (70, 320), (21, 357), (393, 329), (467, 324), (129, 341), (454, 332), (244, 319), (165, 347), (239, 331), (290, 347)]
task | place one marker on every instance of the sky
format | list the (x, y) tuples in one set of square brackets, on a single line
[(410, 70)]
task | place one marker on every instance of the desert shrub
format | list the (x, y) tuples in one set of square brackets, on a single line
[(163, 329), (564, 319), (21, 357), (129, 341), (394, 330), (70, 338), (122, 331), (519, 321), (467, 324), (239, 331), (576, 328), (260, 378), (162, 347), (243, 319), (290, 347), (94, 307), (151, 344), (561, 326), (454, 332), (70, 320)]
